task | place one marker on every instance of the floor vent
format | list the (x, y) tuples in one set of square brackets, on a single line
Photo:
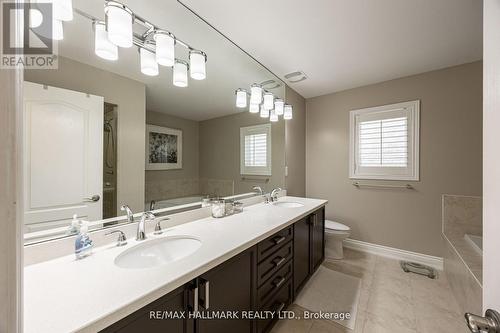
[(413, 267)]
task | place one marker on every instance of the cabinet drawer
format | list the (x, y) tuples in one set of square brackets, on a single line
[(277, 303), (271, 244), (274, 262), (272, 285)]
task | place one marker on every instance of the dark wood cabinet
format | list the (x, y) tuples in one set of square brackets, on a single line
[(153, 317), (302, 253), (317, 238), (228, 287), (265, 277)]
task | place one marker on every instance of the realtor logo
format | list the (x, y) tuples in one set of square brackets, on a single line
[(27, 36)]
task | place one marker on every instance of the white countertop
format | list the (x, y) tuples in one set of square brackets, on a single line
[(67, 295)]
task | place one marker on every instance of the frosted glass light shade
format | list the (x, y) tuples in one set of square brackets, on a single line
[(149, 66), (279, 106), (241, 98), (197, 64), (288, 112), (62, 9), (103, 48), (180, 77), (119, 21), (255, 94), (165, 48), (254, 108), (268, 101), (273, 117), (264, 113), (57, 30)]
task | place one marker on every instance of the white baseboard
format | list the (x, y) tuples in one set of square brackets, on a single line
[(390, 252)]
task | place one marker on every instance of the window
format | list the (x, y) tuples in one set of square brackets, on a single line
[(384, 142), (255, 150)]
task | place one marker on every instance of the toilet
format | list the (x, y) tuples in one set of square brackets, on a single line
[(335, 233)]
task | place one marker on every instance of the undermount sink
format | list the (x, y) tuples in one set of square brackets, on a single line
[(288, 204), (157, 252)]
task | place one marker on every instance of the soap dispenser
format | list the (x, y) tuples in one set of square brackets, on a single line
[(74, 226), (83, 243)]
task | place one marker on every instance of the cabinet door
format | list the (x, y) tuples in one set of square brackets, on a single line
[(301, 253), (318, 238), (228, 287), (151, 318)]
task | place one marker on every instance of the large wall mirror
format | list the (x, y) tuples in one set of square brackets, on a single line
[(100, 134)]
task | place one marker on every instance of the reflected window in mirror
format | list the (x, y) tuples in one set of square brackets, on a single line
[(255, 151)]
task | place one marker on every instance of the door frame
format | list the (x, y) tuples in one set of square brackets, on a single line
[(11, 212)]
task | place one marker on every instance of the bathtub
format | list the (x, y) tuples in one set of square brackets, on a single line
[(476, 242)]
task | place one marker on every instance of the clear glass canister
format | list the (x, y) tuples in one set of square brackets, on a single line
[(218, 208)]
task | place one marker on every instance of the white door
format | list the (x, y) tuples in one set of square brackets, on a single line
[(491, 170), (63, 134)]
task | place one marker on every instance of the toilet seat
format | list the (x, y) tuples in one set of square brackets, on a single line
[(336, 226)]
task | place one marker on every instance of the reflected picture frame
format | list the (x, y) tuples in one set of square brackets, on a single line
[(163, 148)]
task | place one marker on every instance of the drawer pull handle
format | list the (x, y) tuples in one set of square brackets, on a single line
[(280, 307), (279, 282), (279, 239), (278, 261)]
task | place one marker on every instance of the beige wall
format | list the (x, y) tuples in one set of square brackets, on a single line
[(220, 150), (295, 143), (450, 157), (189, 174), (130, 96)]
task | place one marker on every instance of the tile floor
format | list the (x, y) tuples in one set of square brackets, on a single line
[(391, 301)]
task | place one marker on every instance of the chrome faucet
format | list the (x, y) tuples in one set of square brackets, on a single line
[(274, 194), (141, 230), (258, 189), (152, 205), (130, 215)]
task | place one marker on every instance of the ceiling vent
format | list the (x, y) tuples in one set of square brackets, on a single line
[(296, 77)]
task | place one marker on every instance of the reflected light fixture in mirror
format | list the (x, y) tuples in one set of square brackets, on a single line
[(197, 61), (273, 116), (268, 100), (119, 20), (264, 113), (241, 98), (165, 48), (254, 108), (149, 66), (288, 112), (62, 9), (180, 77), (103, 47), (279, 106), (255, 94)]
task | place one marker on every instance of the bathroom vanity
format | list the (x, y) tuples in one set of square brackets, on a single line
[(256, 260)]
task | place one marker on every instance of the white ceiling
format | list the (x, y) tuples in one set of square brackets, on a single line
[(228, 68), (341, 44)]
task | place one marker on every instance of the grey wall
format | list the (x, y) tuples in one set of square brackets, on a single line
[(159, 181), (295, 145), (130, 96), (220, 150), (450, 157)]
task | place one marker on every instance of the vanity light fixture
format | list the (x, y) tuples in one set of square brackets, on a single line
[(62, 9), (180, 78), (165, 47), (279, 106), (288, 112), (254, 108), (103, 48), (241, 99), (197, 61), (274, 116), (268, 100), (264, 113), (119, 21), (255, 94), (149, 66)]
